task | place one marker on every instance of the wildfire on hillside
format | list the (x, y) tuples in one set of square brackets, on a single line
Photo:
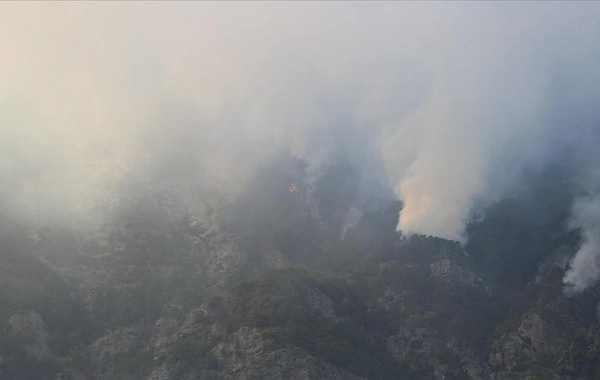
[(293, 188), (292, 152)]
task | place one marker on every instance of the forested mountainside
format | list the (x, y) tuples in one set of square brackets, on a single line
[(291, 281)]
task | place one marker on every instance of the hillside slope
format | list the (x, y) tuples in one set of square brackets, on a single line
[(279, 285)]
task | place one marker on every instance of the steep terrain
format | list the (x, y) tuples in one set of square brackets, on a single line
[(282, 284)]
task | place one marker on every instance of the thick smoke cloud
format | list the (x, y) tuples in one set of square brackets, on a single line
[(443, 104)]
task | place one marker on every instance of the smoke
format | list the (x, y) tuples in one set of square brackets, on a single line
[(584, 268), (442, 105)]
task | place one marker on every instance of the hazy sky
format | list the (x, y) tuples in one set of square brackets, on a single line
[(443, 103)]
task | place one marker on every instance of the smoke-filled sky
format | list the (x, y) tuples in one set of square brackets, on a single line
[(443, 104)]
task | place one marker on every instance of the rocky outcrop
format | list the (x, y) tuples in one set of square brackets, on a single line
[(321, 302), (222, 355), (29, 328), (450, 272), (164, 330), (105, 351), (246, 356), (428, 352), (532, 348), (405, 301), (582, 358)]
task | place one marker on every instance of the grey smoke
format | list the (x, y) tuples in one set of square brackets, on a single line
[(442, 104), (584, 268)]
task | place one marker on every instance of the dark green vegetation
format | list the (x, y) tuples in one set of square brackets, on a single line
[(280, 303), (27, 284), (267, 287)]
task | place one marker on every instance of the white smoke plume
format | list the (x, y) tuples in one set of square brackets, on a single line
[(442, 103), (584, 268)]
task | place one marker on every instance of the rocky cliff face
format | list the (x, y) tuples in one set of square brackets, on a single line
[(260, 289), (29, 328)]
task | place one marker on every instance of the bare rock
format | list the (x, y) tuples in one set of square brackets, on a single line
[(30, 328)]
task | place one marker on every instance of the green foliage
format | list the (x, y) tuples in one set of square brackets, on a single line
[(279, 303), (188, 354), (582, 358), (135, 363), (18, 366), (456, 310), (27, 285), (128, 305), (508, 245), (384, 282), (375, 232), (268, 216)]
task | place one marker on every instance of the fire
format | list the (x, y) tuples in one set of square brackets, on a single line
[(292, 151), (295, 190)]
